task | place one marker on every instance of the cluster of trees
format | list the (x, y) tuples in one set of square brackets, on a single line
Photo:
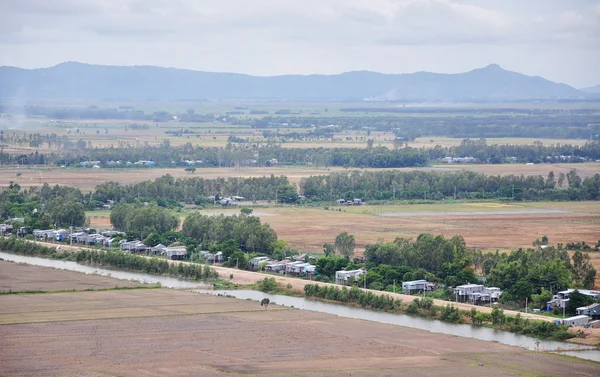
[(43, 207), (143, 220), (389, 184), (193, 189), (499, 153), (34, 140), (242, 233), (535, 273), (434, 258)]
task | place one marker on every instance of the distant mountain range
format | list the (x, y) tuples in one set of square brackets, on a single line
[(77, 81), (591, 89)]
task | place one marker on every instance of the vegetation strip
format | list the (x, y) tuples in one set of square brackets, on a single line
[(10, 292), (424, 308), (116, 259)]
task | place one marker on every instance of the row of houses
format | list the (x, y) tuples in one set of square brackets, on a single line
[(138, 247), (477, 293), (286, 266), (356, 201), (348, 277), (96, 164)]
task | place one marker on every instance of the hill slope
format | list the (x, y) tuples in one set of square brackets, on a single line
[(591, 89), (83, 81)]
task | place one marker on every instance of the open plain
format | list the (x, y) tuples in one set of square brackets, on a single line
[(483, 225), (163, 332)]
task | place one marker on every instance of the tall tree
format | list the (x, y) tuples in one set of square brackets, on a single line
[(344, 244), (584, 274)]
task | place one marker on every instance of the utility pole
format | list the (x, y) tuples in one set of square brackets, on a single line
[(394, 286), (526, 304)]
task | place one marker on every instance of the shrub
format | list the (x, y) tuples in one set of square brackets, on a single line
[(266, 285)]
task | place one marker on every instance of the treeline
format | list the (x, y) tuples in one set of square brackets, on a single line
[(389, 184), (43, 207), (245, 154), (536, 153), (554, 124), (191, 190), (424, 307), (115, 259)]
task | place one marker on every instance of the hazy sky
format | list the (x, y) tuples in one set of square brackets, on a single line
[(556, 39)]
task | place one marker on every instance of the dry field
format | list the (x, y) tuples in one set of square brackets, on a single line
[(483, 225), (87, 179), (21, 277), (166, 332), (215, 135)]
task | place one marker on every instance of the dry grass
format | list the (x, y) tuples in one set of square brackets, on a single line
[(310, 228)]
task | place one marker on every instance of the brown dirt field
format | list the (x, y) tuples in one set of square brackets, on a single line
[(245, 342), (22, 277), (87, 178), (57, 307), (309, 228)]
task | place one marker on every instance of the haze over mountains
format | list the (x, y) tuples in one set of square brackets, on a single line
[(77, 81), (591, 89)]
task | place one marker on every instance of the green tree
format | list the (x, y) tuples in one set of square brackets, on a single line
[(344, 244), (584, 274), (540, 299), (65, 213), (287, 193), (577, 300), (328, 249)]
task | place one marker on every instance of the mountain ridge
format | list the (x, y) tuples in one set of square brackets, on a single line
[(73, 80)]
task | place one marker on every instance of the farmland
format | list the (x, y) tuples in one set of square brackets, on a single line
[(168, 332), (489, 226), (87, 178), (21, 277)]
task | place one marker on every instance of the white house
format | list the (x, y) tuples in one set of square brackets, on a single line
[(342, 277)]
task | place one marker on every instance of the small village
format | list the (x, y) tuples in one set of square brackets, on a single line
[(301, 266)]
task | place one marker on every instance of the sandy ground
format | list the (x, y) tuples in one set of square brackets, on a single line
[(87, 179), (22, 277), (218, 336)]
